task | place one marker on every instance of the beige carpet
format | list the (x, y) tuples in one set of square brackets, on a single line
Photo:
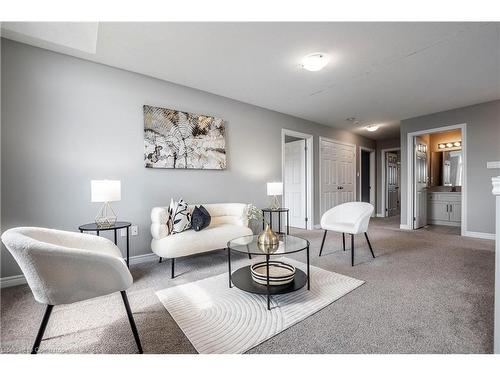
[(427, 291)]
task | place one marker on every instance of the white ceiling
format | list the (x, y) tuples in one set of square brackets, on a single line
[(379, 73)]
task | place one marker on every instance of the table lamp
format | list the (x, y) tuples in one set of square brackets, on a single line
[(105, 191), (274, 189)]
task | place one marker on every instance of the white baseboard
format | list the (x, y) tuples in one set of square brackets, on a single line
[(9, 281), (317, 226), (485, 236), (380, 214), (405, 227)]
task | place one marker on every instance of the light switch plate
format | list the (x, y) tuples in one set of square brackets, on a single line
[(134, 230)]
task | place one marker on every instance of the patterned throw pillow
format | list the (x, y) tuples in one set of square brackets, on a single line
[(179, 216)]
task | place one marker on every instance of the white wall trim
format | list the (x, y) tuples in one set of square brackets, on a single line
[(373, 172), (382, 171), (6, 282), (409, 168), (309, 166), (485, 236), (405, 227), (380, 214)]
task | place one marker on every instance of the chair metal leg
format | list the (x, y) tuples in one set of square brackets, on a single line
[(369, 244), (160, 260), (173, 268), (41, 330), (131, 320), (343, 241), (322, 243), (352, 250)]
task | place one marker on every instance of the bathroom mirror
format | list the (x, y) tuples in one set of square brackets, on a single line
[(452, 168)]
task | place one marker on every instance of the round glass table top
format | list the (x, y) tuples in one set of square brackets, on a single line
[(249, 245)]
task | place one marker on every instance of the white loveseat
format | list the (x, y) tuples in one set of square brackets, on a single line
[(228, 221)]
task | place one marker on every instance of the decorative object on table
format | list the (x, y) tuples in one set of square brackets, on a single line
[(182, 140), (105, 191), (274, 189), (200, 219), (267, 238), (93, 227), (279, 211), (65, 267), (280, 273), (215, 303), (242, 277), (179, 216)]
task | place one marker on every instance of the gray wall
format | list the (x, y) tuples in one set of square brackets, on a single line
[(483, 144), (66, 121), (382, 145)]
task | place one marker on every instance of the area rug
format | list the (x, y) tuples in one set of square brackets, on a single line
[(219, 319)]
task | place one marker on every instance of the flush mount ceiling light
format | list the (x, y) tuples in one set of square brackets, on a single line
[(315, 61), (372, 128)]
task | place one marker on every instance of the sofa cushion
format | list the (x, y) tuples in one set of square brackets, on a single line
[(180, 216), (191, 242), (200, 219)]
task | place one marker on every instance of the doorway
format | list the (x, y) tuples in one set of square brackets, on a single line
[(391, 178), (367, 175), (337, 166), (297, 177), (436, 164)]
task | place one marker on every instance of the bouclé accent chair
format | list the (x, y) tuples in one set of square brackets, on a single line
[(352, 218), (65, 267)]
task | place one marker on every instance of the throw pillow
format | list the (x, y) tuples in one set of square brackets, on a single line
[(180, 217), (200, 218)]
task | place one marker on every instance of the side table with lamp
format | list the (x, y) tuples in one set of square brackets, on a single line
[(106, 191), (274, 189)]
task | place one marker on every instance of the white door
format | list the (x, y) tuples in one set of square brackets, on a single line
[(420, 183), (337, 174), (392, 184), (295, 182)]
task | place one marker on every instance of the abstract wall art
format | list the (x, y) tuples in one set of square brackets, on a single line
[(181, 140)]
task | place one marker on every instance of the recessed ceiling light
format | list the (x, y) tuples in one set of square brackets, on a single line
[(372, 128), (315, 61)]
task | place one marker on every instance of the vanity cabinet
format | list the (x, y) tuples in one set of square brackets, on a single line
[(444, 208)]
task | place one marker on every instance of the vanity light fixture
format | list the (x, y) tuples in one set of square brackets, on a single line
[(315, 61), (455, 144)]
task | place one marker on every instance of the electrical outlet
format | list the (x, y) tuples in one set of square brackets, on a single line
[(134, 230), (123, 232)]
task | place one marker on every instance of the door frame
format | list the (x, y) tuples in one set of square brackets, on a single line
[(410, 156), (355, 167), (383, 171), (372, 174), (309, 138)]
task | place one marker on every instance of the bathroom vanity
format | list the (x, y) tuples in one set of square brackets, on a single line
[(444, 207)]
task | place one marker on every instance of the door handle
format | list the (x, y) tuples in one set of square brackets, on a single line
[(451, 208), (447, 206)]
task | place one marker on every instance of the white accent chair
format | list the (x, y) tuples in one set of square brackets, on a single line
[(65, 267), (228, 221), (352, 218)]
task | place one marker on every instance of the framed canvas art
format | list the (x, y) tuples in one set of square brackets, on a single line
[(181, 140)]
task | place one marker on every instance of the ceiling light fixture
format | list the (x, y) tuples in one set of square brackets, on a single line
[(372, 128), (315, 61)]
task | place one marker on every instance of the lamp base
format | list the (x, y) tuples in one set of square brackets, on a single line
[(106, 217), (275, 204)]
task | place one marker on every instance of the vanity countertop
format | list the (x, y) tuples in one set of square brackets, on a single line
[(445, 189)]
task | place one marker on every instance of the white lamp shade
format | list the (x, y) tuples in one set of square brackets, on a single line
[(274, 188), (105, 190)]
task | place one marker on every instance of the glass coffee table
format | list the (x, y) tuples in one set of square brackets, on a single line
[(242, 277)]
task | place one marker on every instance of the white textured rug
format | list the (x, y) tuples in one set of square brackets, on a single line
[(219, 319)]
